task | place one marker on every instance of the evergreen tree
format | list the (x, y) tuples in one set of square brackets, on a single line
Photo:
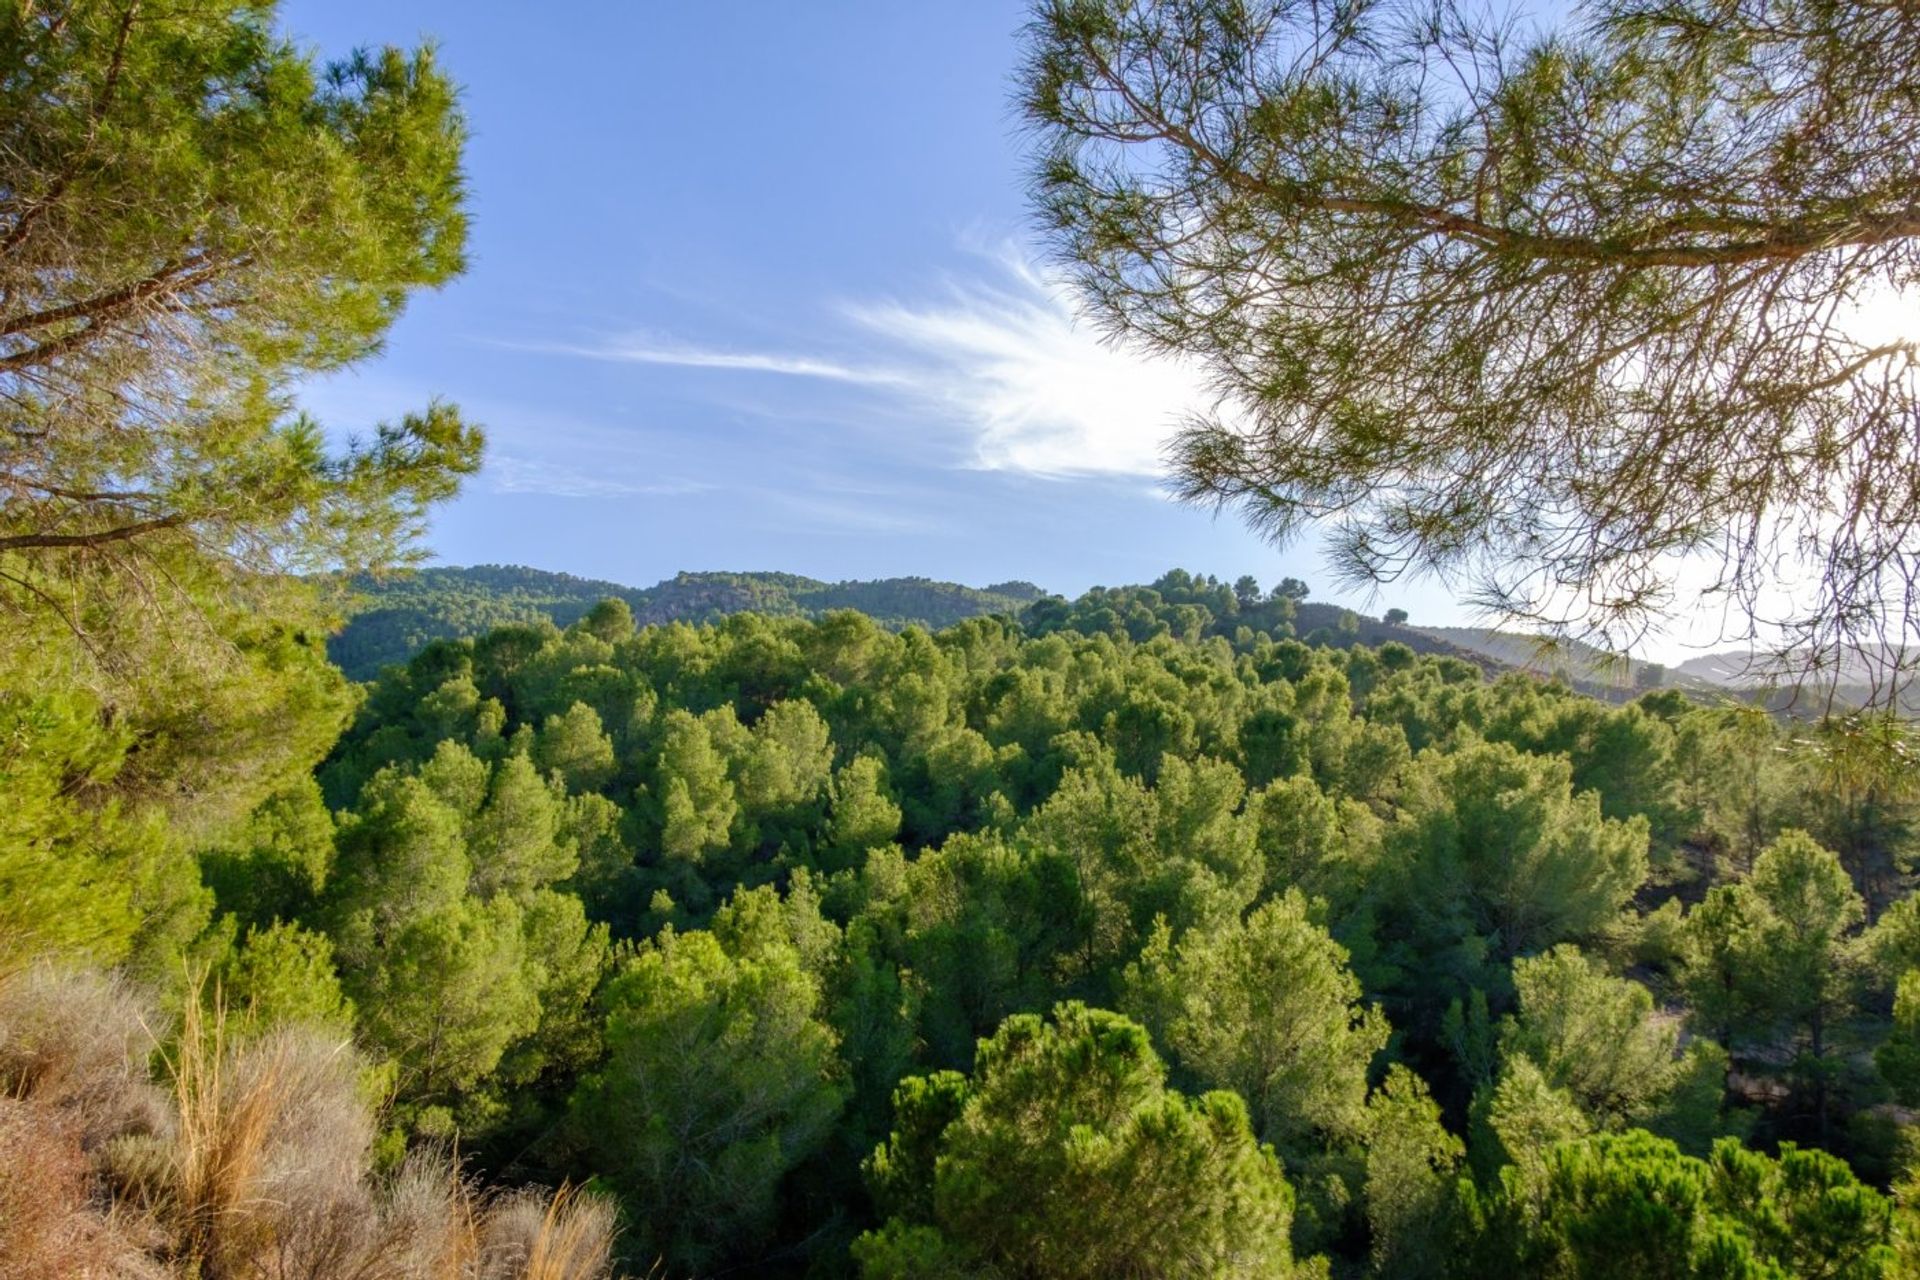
[(1411, 1160), (864, 816), (1139, 1179), (1898, 1056), (445, 997), (574, 744), (1598, 1039), (1807, 912), (1542, 311), (719, 1079), (1268, 1009), (1631, 1205), (1493, 856)]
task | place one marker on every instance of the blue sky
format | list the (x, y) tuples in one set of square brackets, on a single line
[(752, 287)]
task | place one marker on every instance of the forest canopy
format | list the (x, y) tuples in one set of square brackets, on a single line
[(900, 930), (788, 932)]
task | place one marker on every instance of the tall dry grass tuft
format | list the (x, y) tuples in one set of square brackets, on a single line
[(79, 1042), (429, 1223), (270, 1153), (530, 1235), (255, 1166)]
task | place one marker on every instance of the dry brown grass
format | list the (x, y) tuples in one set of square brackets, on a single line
[(429, 1223), (51, 1227), (254, 1166), (271, 1144), (78, 1042), (530, 1235)]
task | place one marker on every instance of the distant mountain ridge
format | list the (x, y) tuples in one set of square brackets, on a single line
[(1568, 658), (391, 618), (1753, 667), (1771, 679)]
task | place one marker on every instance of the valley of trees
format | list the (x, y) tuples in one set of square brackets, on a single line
[(1184, 930), (816, 947)]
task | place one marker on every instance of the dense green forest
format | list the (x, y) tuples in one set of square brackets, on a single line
[(756, 925), (390, 617), (819, 947)]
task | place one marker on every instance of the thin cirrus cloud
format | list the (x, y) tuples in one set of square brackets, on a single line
[(513, 474), (638, 351), (998, 357)]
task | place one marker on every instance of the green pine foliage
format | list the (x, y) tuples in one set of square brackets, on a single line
[(714, 913), (719, 1079), (1065, 1155), (899, 929), (1370, 956)]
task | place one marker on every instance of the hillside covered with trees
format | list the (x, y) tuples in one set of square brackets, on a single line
[(389, 618), (819, 945), (900, 931)]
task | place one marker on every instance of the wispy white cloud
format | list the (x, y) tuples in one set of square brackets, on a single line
[(510, 474), (997, 357), (1004, 357), (634, 350)]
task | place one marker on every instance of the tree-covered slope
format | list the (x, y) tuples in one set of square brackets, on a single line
[(390, 618), (820, 946), (859, 909)]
